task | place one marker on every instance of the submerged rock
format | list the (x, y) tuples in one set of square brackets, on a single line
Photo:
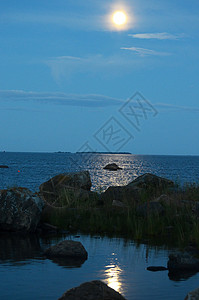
[(93, 290), (68, 249), (20, 210), (112, 167)]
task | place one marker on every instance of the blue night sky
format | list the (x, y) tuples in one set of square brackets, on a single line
[(72, 80)]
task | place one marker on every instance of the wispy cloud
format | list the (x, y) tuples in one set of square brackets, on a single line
[(65, 66), (82, 100), (145, 52), (90, 100), (157, 36), (175, 108)]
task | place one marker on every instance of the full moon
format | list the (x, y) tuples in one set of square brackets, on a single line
[(119, 18)]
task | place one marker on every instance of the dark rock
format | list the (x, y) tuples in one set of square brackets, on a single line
[(125, 194), (152, 183), (156, 269), (112, 167), (76, 185), (20, 210), (182, 262), (3, 167), (150, 208), (80, 180), (69, 196), (93, 290), (67, 249), (193, 295)]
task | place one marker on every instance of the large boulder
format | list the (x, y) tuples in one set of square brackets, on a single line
[(152, 183), (93, 290), (112, 167), (67, 249), (20, 210), (65, 183), (144, 187)]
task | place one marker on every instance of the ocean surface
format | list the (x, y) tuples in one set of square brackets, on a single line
[(26, 274), (31, 169)]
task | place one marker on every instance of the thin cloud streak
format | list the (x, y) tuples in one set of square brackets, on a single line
[(90, 100), (145, 52), (172, 108), (157, 36)]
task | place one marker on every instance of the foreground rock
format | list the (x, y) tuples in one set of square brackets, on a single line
[(20, 210), (3, 167), (145, 186), (112, 167), (182, 262), (126, 194), (151, 183), (66, 184), (67, 249), (193, 295), (93, 290)]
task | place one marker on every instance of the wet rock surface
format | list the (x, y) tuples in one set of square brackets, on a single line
[(93, 290)]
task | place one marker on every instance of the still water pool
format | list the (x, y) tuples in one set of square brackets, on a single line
[(26, 274)]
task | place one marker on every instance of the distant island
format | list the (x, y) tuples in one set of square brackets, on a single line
[(93, 152), (62, 152)]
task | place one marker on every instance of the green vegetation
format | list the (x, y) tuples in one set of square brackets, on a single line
[(178, 224)]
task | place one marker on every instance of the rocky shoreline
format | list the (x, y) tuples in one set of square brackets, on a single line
[(148, 196)]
